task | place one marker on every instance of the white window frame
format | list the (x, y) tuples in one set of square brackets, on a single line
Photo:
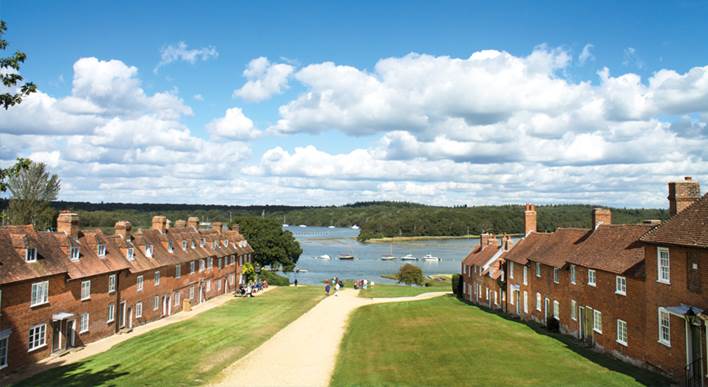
[(148, 250), (178, 297), (526, 275), (526, 302), (202, 265), (139, 283), (37, 337), (184, 245), (556, 310), (572, 274), (538, 269), (664, 339), (208, 285), (191, 292), (556, 275), (111, 313), (218, 285), (4, 351), (101, 250), (74, 253), (597, 316), (573, 310), (621, 285), (111, 283), (85, 290), (157, 278), (155, 302), (538, 301), (592, 278), (139, 309), (84, 325), (31, 254), (170, 246), (511, 270), (663, 273), (130, 254), (622, 334), (192, 267), (178, 271), (35, 299)]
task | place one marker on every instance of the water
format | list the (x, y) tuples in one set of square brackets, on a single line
[(316, 241)]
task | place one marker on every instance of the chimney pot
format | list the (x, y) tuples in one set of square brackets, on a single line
[(529, 219), (159, 223), (123, 228)]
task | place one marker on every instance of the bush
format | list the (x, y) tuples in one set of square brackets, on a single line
[(552, 324), (274, 278), (410, 274), (457, 285)]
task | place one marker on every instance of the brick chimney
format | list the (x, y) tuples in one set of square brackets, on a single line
[(484, 239), (217, 226), (506, 242), (682, 194), (193, 221), (529, 219), (180, 223), (68, 223), (159, 223), (601, 216), (123, 228)]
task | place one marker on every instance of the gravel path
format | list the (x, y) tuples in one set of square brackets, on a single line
[(304, 352)]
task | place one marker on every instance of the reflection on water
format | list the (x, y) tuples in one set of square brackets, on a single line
[(317, 241)]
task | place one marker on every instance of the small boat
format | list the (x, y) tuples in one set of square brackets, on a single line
[(286, 225), (355, 227), (387, 257), (345, 257), (408, 257), (324, 257), (330, 227), (431, 258), (301, 270), (303, 225)]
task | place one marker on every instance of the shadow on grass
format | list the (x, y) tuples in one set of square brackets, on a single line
[(641, 375), (73, 376)]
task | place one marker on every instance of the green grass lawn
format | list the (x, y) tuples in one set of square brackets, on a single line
[(443, 341), (190, 352), (381, 290)]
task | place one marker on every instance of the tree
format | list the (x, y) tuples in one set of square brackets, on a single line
[(32, 191), (20, 164), (410, 274), (9, 73), (272, 245), (248, 272)]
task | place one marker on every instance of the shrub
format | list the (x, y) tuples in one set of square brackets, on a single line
[(274, 278), (552, 324), (457, 285), (410, 274)]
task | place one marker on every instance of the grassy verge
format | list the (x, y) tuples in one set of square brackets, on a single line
[(190, 352), (443, 341), (385, 291)]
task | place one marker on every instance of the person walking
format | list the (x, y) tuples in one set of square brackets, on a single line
[(336, 289), (295, 282), (327, 288)]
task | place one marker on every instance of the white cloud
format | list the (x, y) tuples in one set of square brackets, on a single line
[(233, 125), (198, 97), (586, 54), (631, 58), (180, 52), (264, 79)]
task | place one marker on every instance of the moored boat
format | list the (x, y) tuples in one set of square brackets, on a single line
[(324, 257), (387, 257), (430, 258), (408, 257), (345, 257)]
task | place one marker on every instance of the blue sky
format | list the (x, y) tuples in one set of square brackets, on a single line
[(378, 142)]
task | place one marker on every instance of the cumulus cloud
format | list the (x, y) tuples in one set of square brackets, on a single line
[(233, 125), (264, 79), (180, 52)]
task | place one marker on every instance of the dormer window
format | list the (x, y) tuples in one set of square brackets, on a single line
[(31, 254), (130, 254), (148, 250), (202, 242), (193, 244), (170, 246), (184, 245), (226, 243), (74, 253), (101, 250)]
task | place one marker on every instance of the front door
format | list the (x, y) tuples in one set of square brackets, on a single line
[(121, 315), (694, 365), (581, 322), (56, 336), (71, 333), (588, 325)]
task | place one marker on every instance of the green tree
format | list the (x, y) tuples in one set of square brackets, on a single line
[(248, 272), (10, 74), (410, 274), (272, 245), (20, 164), (32, 191)]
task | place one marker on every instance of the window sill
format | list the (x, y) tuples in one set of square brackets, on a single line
[(596, 331), (622, 343), (37, 348), (664, 343), (663, 282), (37, 305), (3, 366), (86, 299), (621, 294), (592, 285), (82, 332), (574, 319), (110, 321)]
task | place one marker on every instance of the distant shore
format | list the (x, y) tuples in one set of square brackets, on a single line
[(419, 238)]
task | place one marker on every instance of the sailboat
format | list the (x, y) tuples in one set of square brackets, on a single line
[(285, 224), (389, 256), (430, 258)]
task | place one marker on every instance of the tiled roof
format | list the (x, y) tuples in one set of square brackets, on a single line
[(687, 228), (480, 255), (552, 249), (527, 248), (612, 247)]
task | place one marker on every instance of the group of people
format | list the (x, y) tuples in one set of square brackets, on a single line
[(363, 284), (336, 283), (251, 289)]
